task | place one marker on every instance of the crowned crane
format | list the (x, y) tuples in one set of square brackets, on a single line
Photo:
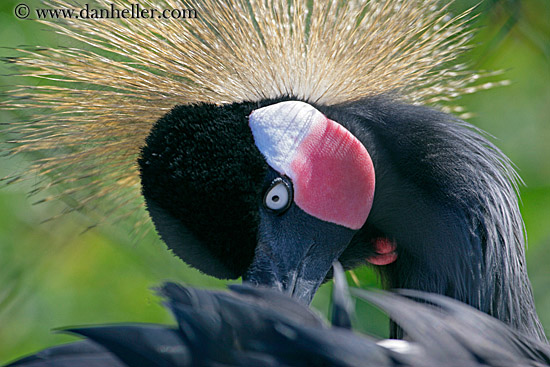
[(259, 327), (275, 191), (274, 138)]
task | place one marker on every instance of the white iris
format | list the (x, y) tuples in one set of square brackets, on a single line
[(277, 197)]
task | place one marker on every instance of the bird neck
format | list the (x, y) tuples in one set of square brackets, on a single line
[(470, 247), (446, 197)]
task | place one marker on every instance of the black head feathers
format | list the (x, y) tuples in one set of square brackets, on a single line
[(200, 173)]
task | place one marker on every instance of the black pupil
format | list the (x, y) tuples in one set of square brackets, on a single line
[(275, 198)]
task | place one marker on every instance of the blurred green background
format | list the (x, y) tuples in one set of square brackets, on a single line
[(53, 275)]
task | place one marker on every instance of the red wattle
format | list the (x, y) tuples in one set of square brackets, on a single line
[(382, 259), (385, 252)]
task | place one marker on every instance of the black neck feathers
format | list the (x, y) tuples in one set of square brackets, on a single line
[(448, 198)]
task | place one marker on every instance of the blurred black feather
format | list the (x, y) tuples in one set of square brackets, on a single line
[(261, 327)]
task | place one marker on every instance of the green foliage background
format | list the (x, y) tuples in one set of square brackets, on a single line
[(53, 275)]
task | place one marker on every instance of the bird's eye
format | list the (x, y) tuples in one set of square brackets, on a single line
[(279, 196)]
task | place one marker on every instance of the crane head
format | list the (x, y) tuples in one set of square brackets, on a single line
[(273, 191)]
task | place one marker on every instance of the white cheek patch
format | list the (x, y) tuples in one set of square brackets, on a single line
[(331, 170), (279, 129)]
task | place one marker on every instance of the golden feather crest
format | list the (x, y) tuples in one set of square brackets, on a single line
[(91, 116)]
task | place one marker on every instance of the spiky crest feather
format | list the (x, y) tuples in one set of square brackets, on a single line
[(90, 118)]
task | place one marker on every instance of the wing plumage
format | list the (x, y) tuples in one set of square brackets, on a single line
[(261, 327)]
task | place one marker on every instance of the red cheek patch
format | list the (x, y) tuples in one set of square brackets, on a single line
[(333, 176), (331, 171)]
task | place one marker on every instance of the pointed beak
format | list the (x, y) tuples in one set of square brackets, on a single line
[(295, 252)]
